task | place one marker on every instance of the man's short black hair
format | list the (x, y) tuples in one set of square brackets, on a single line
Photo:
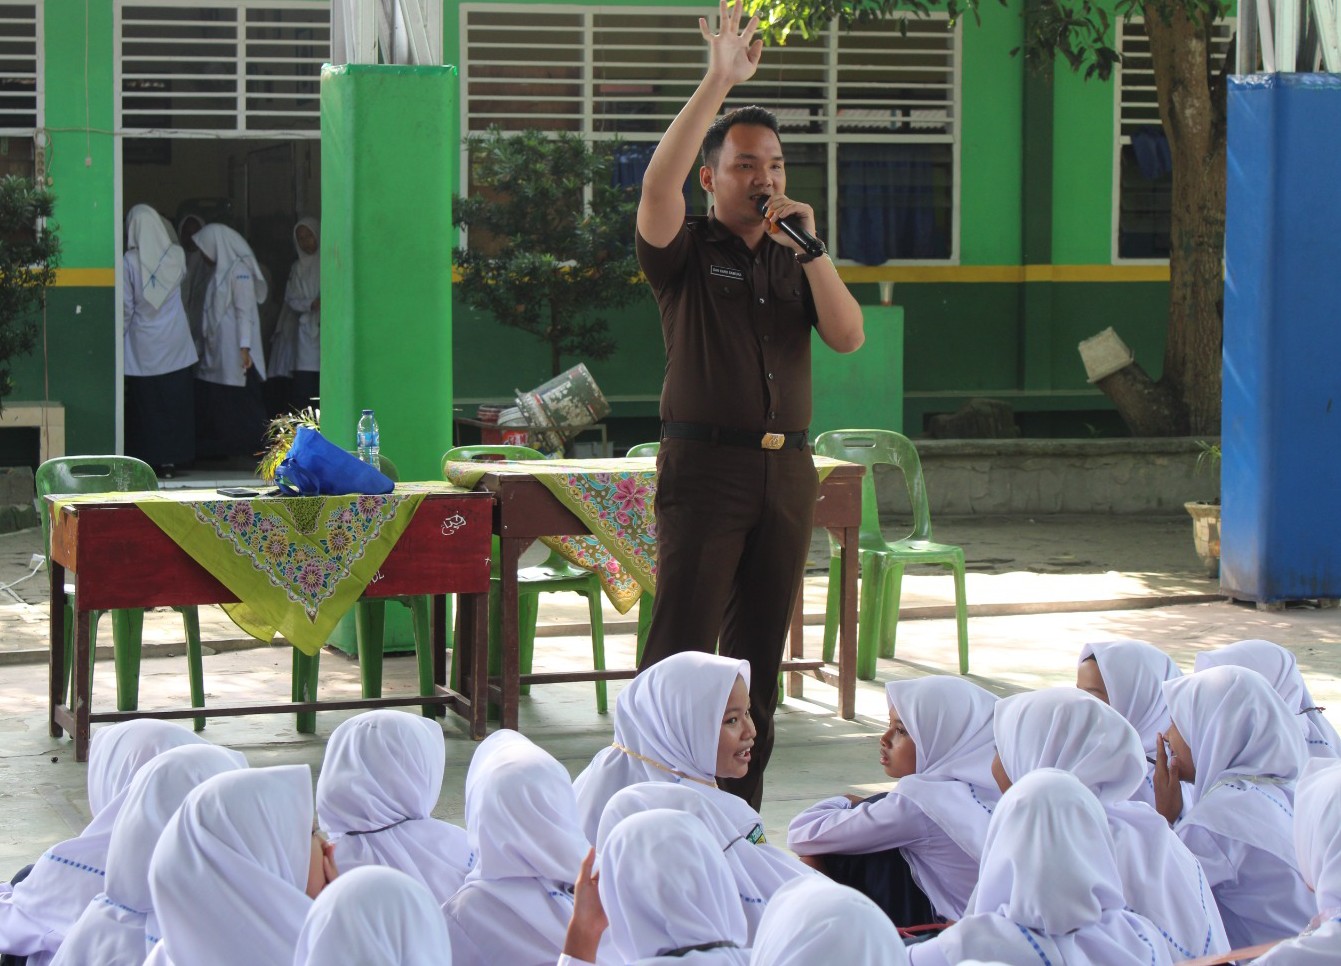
[(716, 136)]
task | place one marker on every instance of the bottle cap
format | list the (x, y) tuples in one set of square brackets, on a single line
[(367, 412)]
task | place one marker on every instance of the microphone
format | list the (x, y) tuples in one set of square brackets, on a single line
[(811, 245)]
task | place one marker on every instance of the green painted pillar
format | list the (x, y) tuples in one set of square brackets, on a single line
[(862, 389), (388, 160)]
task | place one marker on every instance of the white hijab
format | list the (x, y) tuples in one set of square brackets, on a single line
[(1281, 669), (228, 251), (814, 920), (950, 722), (44, 906), (1049, 887), (162, 260), (380, 779), (665, 886), (1134, 673), (1067, 729), (668, 723), (305, 276), (111, 931), (229, 874), (1317, 842), (1248, 753), (374, 916), (759, 870), (521, 817)]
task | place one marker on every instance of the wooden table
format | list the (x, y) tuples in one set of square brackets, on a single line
[(524, 510), (122, 559)]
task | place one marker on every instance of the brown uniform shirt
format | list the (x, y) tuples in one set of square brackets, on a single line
[(737, 329)]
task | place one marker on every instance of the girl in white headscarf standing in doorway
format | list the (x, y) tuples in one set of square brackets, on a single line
[(230, 410), (159, 351)]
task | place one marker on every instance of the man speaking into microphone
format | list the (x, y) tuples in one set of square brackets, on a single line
[(739, 295)]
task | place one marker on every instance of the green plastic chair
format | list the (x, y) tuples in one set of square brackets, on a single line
[(114, 474), (882, 563), (645, 601), (555, 575)]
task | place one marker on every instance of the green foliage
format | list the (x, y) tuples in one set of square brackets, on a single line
[(1077, 31), (1209, 457), (542, 257), (28, 258)]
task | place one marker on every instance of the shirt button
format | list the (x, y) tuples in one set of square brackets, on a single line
[(765, 338), (770, 375), (761, 300), (772, 415)]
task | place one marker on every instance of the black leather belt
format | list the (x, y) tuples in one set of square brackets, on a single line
[(726, 436)]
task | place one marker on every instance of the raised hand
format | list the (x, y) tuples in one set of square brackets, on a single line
[(1168, 782), (733, 54)]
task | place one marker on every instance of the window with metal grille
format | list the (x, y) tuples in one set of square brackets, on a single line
[(869, 116), (1143, 183), (239, 67), (20, 61)]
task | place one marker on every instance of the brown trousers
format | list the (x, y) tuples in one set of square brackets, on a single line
[(733, 530)]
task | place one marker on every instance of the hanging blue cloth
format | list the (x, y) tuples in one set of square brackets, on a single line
[(887, 203), (1151, 148)]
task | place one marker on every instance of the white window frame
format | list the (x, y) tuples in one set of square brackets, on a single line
[(831, 138), (1121, 140), (239, 131), (39, 66)]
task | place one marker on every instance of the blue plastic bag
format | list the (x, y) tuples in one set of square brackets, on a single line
[(315, 466)]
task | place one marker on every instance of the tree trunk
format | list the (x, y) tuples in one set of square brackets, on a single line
[(1191, 91)]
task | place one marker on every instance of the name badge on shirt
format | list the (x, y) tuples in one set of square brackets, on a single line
[(756, 835), (726, 271)]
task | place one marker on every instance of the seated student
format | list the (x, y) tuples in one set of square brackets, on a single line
[(915, 851), (380, 779), (815, 920), (759, 870), (1317, 842), (1281, 670), (686, 719), (374, 916), (1161, 880), (236, 869), (1129, 676), (1232, 737), (112, 929), (666, 892), (1049, 889), (521, 817), (35, 914)]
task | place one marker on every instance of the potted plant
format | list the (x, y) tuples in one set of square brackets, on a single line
[(1206, 516)]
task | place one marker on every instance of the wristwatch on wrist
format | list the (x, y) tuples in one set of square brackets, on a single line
[(805, 258)]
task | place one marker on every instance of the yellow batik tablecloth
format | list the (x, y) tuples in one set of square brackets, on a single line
[(297, 564), (616, 500)]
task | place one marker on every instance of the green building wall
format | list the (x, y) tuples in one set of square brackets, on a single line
[(1035, 272)]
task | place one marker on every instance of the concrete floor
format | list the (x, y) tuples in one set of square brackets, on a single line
[(1038, 590)]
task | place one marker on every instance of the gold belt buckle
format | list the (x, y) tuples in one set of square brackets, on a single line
[(773, 441)]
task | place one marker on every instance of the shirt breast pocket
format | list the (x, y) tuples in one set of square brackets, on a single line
[(728, 291)]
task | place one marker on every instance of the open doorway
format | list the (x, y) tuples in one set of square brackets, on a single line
[(258, 187)]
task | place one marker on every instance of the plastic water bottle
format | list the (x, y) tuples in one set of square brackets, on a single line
[(369, 440)]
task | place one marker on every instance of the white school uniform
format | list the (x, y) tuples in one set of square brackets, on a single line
[(521, 817), (1134, 673), (815, 920), (111, 931), (1068, 729), (380, 779), (229, 873), (936, 817), (668, 723), (1248, 753), (1317, 842), (230, 319), (374, 916), (1050, 891), (36, 914), (1281, 670), (666, 888), (157, 334), (760, 870)]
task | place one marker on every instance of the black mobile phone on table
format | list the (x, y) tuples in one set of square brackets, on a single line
[(237, 491)]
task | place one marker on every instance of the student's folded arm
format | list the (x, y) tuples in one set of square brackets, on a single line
[(836, 825)]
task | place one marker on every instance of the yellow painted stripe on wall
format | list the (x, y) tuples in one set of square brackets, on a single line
[(85, 277)]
